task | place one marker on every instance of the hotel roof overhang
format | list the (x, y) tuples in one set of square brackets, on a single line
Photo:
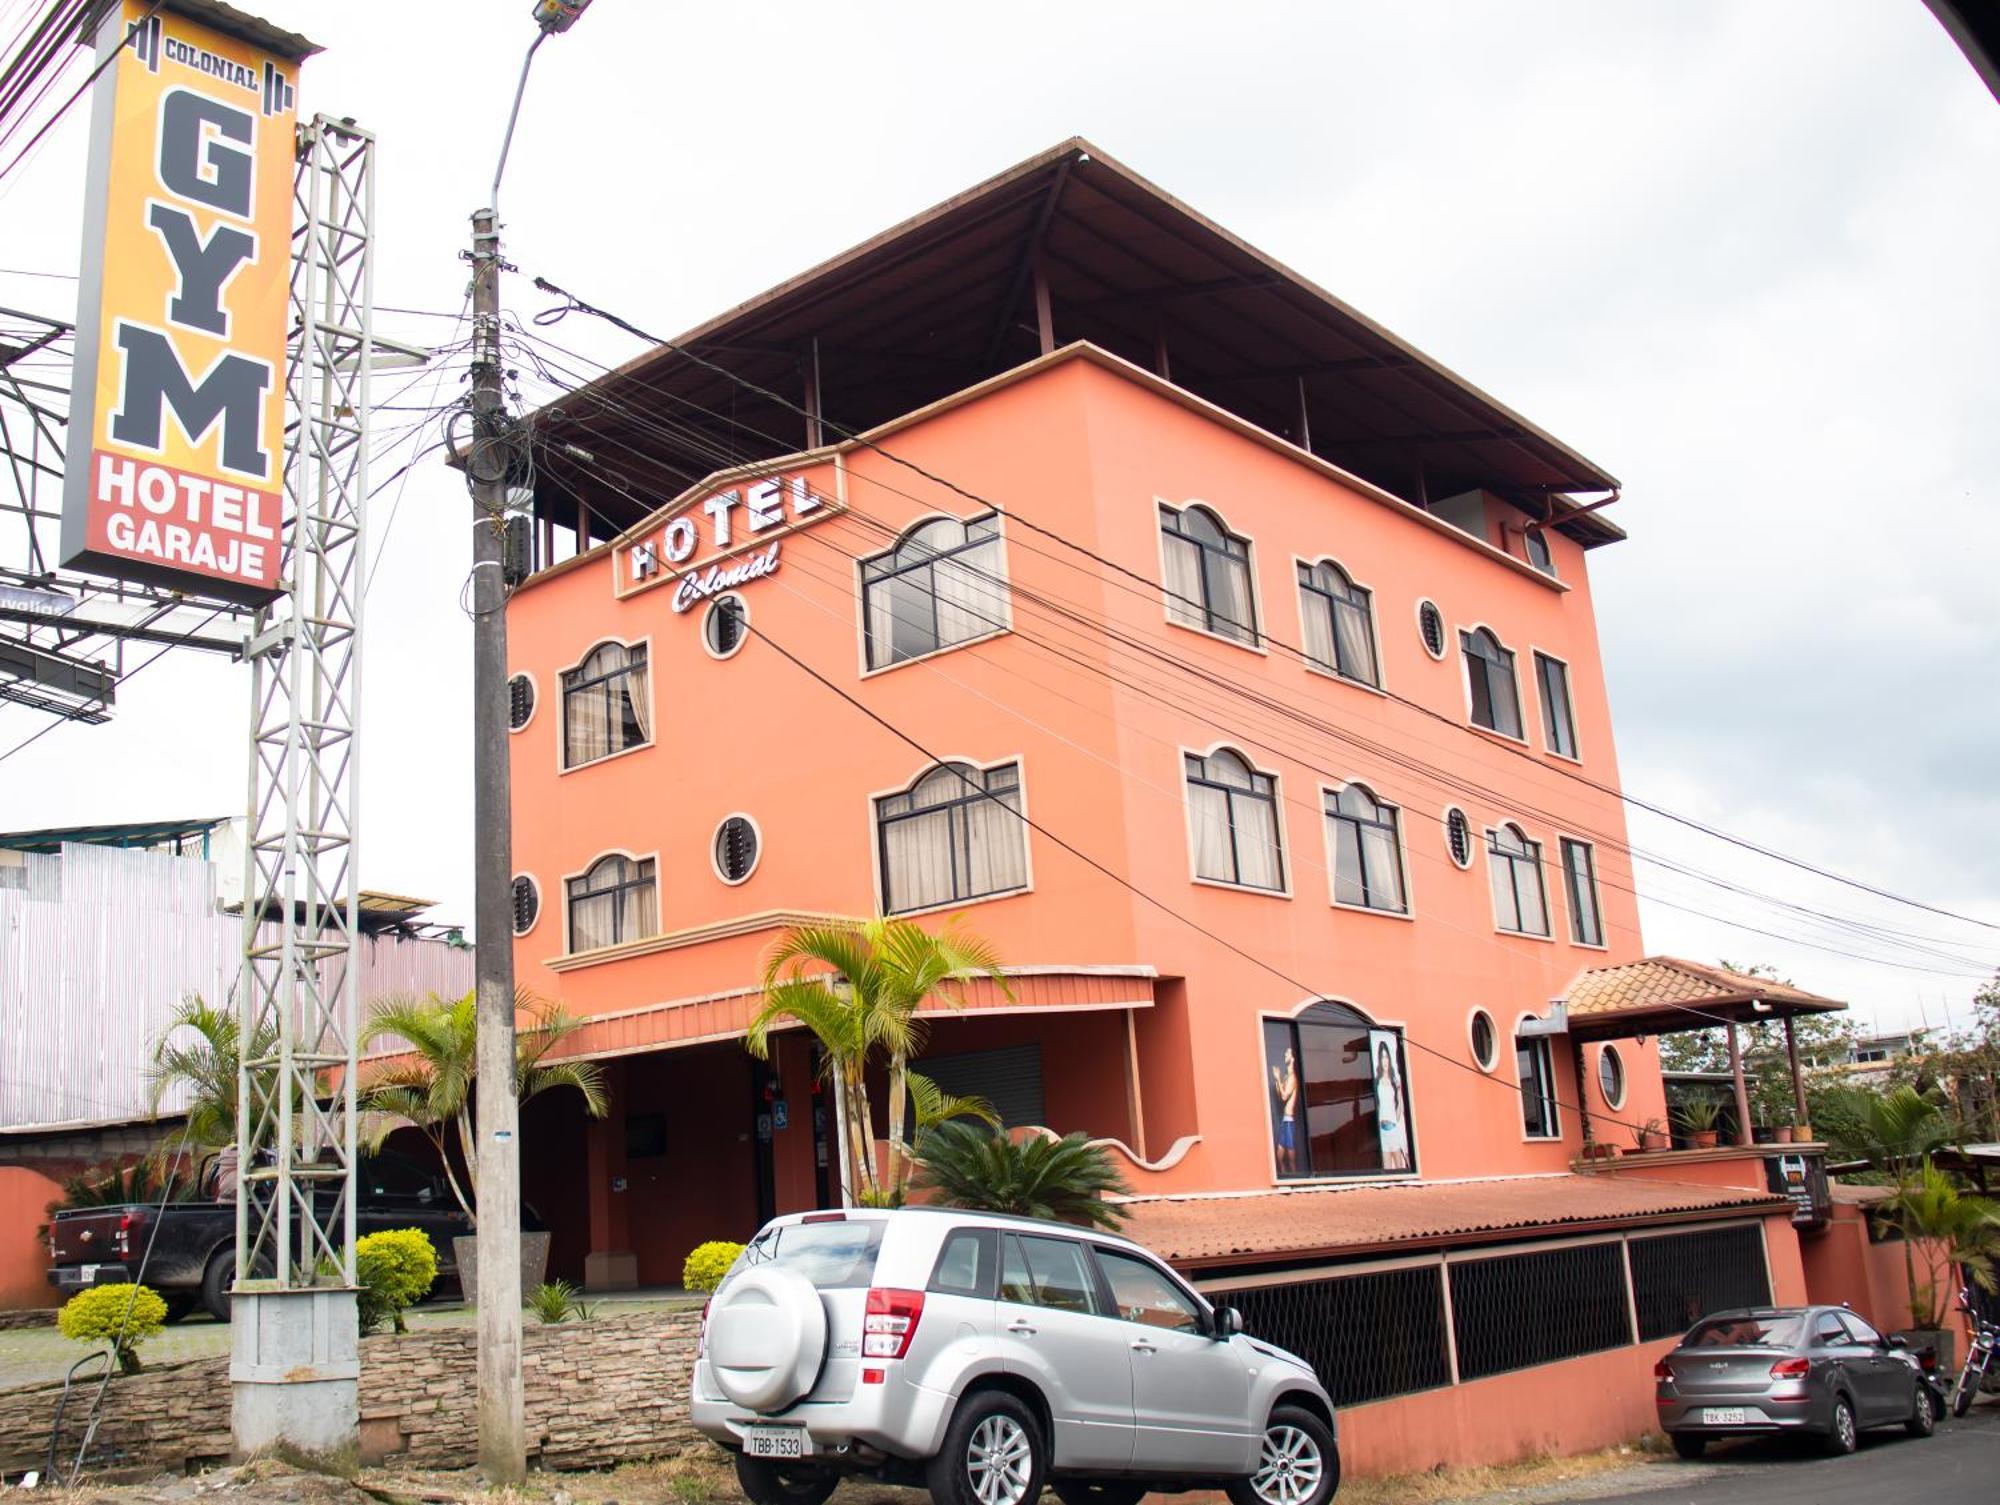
[(1664, 995), (1288, 1227), (951, 296)]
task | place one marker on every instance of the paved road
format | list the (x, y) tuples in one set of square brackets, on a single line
[(1958, 1466)]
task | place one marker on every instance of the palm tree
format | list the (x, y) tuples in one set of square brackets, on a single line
[(858, 986), (1038, 1176), (205, 1065), (1956, 1229), (430, 1087), (1899, 1132)]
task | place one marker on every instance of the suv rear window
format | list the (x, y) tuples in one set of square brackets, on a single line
[(833, 1256)]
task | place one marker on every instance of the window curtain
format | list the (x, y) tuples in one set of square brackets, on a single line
[(1357, 642), (1210, 808), (1506, 703), (995, 846), (1183, 582), (917, 853), (634, 688), (1317, 612), (1380, 858), (971, 596), (1532, 902), (1349, 886), (591, 921), (1257, 841), (1506, 910), (586, 724), (1229, 595)]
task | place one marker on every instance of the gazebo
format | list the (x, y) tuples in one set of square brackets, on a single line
[(1664, 995)]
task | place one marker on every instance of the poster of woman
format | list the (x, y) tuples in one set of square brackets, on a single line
[(1392, 1119)]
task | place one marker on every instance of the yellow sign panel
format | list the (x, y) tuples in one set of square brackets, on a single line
[(176, 443)]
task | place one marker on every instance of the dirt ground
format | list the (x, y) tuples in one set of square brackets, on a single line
[(701, 1477)]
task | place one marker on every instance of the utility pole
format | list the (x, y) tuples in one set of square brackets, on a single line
[(503, 1451)]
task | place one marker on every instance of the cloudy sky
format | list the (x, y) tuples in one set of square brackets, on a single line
[(1741, 254)]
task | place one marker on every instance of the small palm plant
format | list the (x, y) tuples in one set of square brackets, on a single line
[(964, 1165), (1949, 1230), (200, 1050), (858, 986), (431, 1087)]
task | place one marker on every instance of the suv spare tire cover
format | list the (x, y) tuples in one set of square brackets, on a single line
[(766, 1337)]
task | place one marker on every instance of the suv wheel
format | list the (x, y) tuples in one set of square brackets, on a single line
[(1297, 1463), (766, 1483), (993, 1454)]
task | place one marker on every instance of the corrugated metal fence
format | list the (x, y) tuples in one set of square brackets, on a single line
[(97, 947)]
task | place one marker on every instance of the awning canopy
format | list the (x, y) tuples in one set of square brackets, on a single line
[(1664, 995), (1067, 246)]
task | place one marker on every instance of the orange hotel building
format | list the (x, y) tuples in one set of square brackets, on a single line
[(1059, 562)]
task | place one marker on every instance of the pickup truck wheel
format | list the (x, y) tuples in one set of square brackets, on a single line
[(993, 1454), (1297, 1463), (766, 1483), (180, 1308), (220, 1276)]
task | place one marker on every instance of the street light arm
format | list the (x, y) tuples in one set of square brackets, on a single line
[(513, 115)]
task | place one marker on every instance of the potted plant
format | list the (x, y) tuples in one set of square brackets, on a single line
[(1698, 1117), (1598, 1149), (429, 1085), (1653, 1136)]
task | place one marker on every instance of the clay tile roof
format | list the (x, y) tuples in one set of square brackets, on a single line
[(1252, 1226), (1859, 1196), (1664, 982)]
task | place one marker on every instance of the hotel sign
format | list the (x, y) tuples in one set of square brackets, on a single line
[(713, 542), (177, 418)]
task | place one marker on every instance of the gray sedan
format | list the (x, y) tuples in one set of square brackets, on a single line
[(1820, 1370)]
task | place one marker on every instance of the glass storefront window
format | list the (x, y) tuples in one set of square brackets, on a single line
[(1339, 1103)]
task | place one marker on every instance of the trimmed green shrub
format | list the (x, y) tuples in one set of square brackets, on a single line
[(394, 1269), (123, 1315), (555, 1301), (708, 1263)]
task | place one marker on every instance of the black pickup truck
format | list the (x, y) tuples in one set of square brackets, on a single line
[(193, 1260)]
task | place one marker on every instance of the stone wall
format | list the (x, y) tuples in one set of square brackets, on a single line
[(597, 1393)]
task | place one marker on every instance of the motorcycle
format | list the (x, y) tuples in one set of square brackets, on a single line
[(1978, 1359)]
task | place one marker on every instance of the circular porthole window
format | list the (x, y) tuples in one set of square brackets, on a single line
[(1430, 622), (527, 904), (1611, 1076), (520, 702), (725, 626), (1458, 836), (736, 849), (1485, 1043)]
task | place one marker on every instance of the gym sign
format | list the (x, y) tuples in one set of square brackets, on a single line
[(712, 542), (177, 418)]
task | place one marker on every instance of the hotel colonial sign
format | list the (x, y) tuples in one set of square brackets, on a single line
[(710, 542), (177, 418)]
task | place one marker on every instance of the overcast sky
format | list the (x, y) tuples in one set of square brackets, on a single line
[(1742, 254)]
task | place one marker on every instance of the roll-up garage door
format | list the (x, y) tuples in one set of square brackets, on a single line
[(1010, 1079)]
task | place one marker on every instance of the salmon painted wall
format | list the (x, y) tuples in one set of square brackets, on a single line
[(24, 1259), (1086, 448)]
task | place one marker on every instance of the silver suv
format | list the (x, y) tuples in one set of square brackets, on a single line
[(986, 1356)]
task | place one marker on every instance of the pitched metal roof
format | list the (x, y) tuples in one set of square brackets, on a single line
[(143, 833), (946, 299), (1344, 1221)]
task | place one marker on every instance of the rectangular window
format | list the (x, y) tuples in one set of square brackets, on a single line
[(1338, 1101), (1536, 1065), (1586, 925), (1207, 574), (1558, 722), (606, 708), (1514, 864), (943, 583), (1234, 812), (1367, 851), (955, 835)]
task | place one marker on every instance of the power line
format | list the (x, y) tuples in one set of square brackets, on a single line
[(578, 305)]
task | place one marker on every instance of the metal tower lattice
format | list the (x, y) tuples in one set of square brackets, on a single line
[(298, 1005)]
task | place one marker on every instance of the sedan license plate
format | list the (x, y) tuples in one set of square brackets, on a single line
[(1722, 1416), (776, 1442)]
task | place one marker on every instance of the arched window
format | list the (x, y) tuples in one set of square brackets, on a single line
[(1536, 544), (613, 901), (1367, 842), (944, 583), (1520, 902), (606, 708), (955, 834), (1207, 574), (1235, 818), (1489, 672), (1339, 621), (1338, 1089)]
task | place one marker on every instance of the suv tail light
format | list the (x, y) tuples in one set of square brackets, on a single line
[(890, 1322), (1663, 1372), (1791, 1369)]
